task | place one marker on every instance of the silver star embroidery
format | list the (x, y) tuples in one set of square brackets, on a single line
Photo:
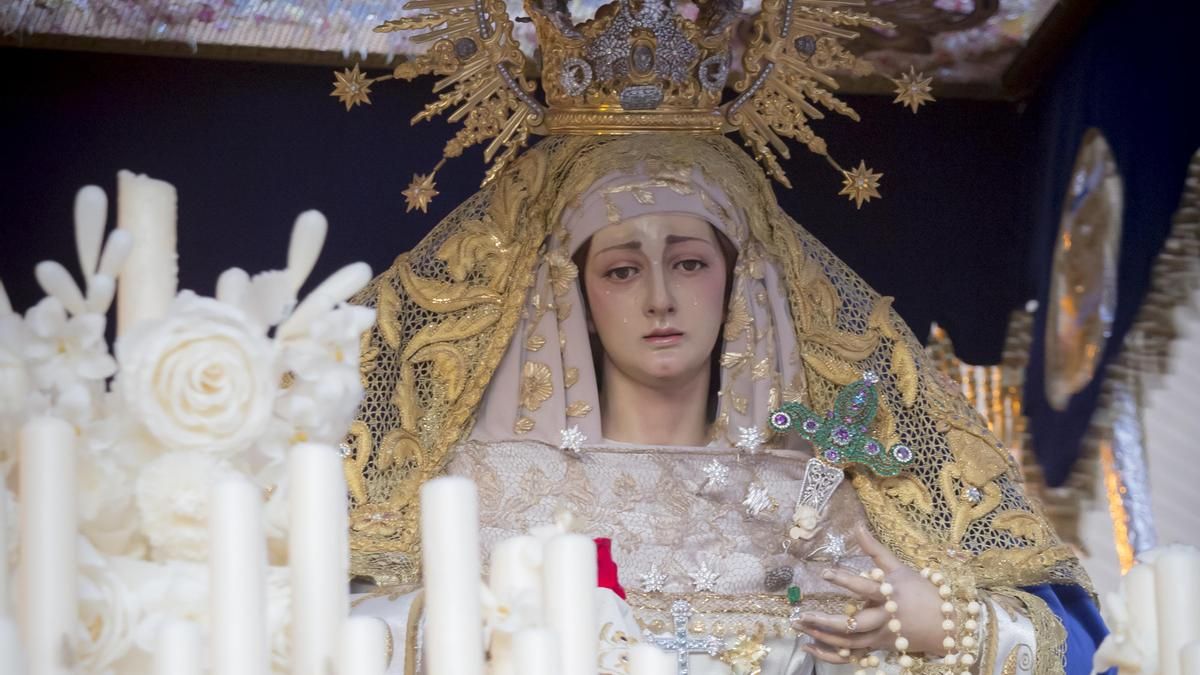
[(870, 377), (757, 500), (834, 547), (750, 439), (572, 439), (654, 581), (705, 578), (716, 475)]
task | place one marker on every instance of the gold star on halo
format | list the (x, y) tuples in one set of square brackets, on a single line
[(913, 89), (352, 87), (419, 193), (861, 184)]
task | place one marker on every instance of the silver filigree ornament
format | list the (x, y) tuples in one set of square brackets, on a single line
[(681, 643), (572, 439), (654, 581), (704, 578), (713, 72), (758, 500), (576, 76), (750, 439), (716, 475)]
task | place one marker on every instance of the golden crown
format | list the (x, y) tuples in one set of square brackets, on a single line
[(636, 66)]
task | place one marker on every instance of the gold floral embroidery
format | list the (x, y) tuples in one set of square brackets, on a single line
[(523, 425), (578, 409), (535, 342), (738, 320), (562, 272), (571, 376), (536, 385)]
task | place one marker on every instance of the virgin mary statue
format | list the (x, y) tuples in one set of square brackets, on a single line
[(607, 330), (624, 326)]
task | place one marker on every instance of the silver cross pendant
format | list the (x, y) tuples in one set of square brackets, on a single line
[(681, 643)]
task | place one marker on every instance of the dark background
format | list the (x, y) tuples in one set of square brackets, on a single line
[(963, 235)]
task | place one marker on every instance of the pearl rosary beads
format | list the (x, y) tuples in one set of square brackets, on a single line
[(959, 651), (893, 624)]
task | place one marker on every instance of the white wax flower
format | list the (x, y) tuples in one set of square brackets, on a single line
[(171, 589), (63, 350), (15, 378), (326, 386), (109, 613), (108, 516), (201, 378), (172, 498)]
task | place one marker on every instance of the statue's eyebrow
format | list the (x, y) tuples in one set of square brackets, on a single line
[(631, 245), (679, 239)]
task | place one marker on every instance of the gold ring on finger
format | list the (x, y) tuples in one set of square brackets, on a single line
[(851, 624)]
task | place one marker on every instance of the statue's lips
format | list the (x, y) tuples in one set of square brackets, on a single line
[(664, 337)]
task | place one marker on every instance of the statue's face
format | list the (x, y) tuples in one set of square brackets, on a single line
[(656, 291)]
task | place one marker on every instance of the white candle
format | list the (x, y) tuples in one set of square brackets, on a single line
[(1137, 587), (237, 578), (318, 555), (646, 659), (364, 647), (450, 566), (10, 647), (146, 209), (535, 652), (178, 649), (5, 606), (1177, 585), (569, 600), (49, 524), (1189, 658)]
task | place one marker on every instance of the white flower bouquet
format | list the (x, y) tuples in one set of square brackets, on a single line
[(216, 386)]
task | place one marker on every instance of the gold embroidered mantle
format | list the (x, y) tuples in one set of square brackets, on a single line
[(447, 311)]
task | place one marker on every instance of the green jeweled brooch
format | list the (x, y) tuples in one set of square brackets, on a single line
[(840, 435)]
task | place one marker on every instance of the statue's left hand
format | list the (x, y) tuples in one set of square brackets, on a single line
[(918, 609)]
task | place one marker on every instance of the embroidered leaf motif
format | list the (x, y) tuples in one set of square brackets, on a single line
[(388, 306), (835, 370), (909, 491), (523, 426), (881, 318), (904, 368), (1021, 524), (571, 376)]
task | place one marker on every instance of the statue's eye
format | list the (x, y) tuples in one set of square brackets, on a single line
[(623, 273), (691, 265)]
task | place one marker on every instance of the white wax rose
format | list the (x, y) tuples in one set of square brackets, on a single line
[(109, 614), (204, 377), (172, 495)]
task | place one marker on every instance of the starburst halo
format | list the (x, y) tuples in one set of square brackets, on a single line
[(352, 87), (861, 184), (913, 89), (419, 193)]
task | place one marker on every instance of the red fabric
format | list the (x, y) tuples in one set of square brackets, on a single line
[(607, 569)]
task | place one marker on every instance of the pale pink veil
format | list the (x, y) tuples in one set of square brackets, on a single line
[(546, 382)]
